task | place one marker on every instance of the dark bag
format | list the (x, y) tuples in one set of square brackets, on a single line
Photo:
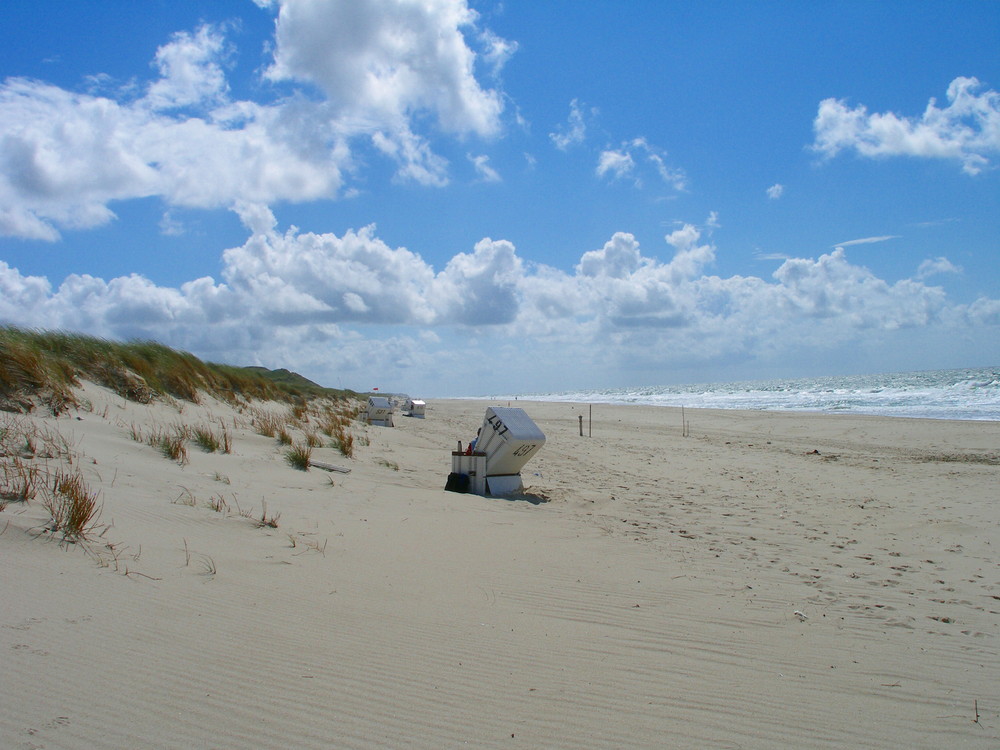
[(457, 482)]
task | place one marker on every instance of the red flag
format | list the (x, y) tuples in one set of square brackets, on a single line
[(374, 389)]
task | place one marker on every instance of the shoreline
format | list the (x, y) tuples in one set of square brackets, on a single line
[(966, 394), (737, 410), (772, 578)]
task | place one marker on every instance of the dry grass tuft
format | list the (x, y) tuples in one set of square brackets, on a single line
[(266, 520), (173, 447), (268, 423), (206, 439), (337, 426), (186, 498), (73, 508), (218, 504), (20, 480), (299, 455)]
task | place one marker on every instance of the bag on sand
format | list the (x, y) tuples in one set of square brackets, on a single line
[(457, 482)]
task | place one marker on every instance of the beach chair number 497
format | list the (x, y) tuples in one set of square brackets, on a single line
[(498, 427)]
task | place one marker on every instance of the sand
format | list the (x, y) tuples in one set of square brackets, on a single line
[(765, 580)]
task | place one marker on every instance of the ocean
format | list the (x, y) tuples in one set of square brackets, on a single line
[(972, 393)]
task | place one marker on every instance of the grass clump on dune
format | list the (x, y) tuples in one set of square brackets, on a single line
[(73, 507), (299, 456), (212, 442)]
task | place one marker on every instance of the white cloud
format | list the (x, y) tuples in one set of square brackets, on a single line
[(496, 51), (324, 278), (190, 71), (624, 161), (485, 172), (618, 259), (170, 226), (967, 130), (575, 130), (481, 288), (382, 66), (618, 164), (345, 307), (386, 60), (867, 240), (775, 191), (65, 156), (934, 266), (383, 63)]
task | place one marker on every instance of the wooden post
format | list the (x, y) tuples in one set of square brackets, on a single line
[(590, 422), (581, 425)]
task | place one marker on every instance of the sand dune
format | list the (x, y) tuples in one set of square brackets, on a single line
[(770, 580)]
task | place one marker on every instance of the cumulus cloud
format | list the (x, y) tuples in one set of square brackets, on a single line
[(65, 156), (191, 72), (386, 60), (346, 304), (775, 191), (481, 288), (382, 68), (967, 130), (381, 63)]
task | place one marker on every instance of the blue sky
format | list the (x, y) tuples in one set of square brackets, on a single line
[(462, 198)]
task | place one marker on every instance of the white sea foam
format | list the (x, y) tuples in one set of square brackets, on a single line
[(936, 394)]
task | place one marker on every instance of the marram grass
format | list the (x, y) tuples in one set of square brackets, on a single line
[(45, 366)]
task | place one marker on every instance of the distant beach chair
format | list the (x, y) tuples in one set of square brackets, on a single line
[(379, 411), (415, 408)]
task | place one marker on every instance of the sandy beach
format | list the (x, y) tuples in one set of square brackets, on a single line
[(749, 580)]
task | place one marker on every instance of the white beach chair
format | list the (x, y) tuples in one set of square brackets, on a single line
[(379, 411), (506, 442)]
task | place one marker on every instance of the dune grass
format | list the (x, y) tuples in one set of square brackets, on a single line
[(267, 423), (19, 480), (265, 520), (45, 366), (336, 424), (211, 442), (343, 441), (299, 456), (73, 507)]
